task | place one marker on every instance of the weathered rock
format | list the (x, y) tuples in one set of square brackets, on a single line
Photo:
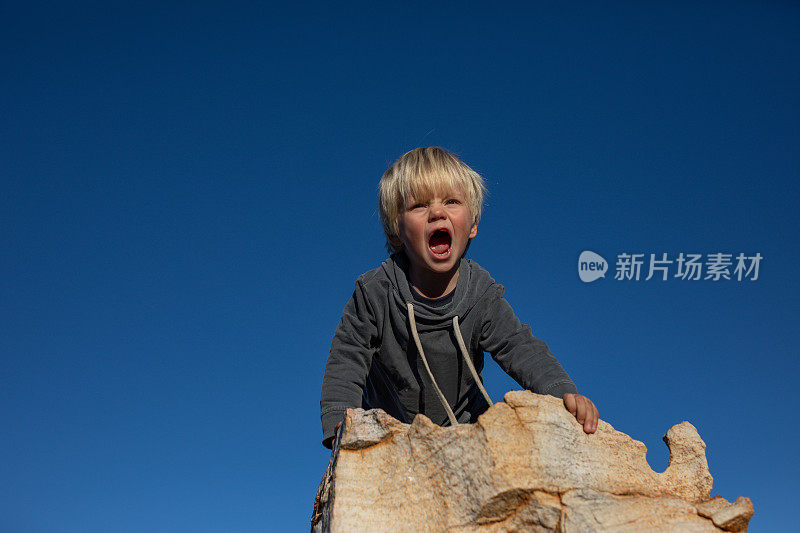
[(728, 516), (526, 465)]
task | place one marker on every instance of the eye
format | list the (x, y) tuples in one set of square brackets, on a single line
[(417, 205), (452, 201)]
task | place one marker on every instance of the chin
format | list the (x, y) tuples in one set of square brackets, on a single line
[(444, 266)]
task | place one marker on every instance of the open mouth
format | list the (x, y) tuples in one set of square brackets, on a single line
[(439, 242)]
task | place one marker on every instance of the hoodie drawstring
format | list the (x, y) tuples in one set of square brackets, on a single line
[(463, 349), (468, 359)]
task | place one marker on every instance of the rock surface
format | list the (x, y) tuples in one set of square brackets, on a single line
[(526, 465)]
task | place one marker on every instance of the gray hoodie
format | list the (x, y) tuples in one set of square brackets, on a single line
[(374, 362)]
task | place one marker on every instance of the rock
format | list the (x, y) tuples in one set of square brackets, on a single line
[(526, 465), (728, 516)]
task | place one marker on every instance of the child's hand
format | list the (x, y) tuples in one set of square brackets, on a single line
[(583, 409)]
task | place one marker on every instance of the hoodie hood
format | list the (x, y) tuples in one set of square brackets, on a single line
[(473, 283)]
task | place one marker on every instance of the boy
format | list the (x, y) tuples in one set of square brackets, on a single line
[(414, 324)]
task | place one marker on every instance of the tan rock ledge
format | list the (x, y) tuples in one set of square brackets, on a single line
[(526, 465)]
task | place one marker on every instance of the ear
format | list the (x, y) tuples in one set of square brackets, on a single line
[(473, 231)]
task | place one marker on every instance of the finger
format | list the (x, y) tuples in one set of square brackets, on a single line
[(590, 426), (581, 409), (569, 402)]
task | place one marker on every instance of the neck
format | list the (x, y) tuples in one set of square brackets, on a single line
[(432, 285)]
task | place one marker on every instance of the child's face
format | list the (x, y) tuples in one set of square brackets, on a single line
[(435, 232)]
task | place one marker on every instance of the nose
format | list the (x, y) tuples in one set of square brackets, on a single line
[(436, 211)]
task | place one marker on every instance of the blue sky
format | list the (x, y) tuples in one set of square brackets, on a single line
[(190, 193)]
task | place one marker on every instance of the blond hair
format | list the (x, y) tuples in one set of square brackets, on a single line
[(420, 174)]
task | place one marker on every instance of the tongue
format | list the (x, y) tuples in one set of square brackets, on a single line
[(440, 242)]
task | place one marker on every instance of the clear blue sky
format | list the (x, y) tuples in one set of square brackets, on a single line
[(189, 193)]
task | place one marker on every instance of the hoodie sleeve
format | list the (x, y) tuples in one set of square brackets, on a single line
[(521, 355), (348, 363)]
